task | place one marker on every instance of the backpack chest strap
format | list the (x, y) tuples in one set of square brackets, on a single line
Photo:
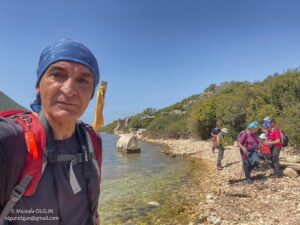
[(76, 158), (73, 159)]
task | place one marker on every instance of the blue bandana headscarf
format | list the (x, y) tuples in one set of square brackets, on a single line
[(267, 124), (252, 125), (65, 50)]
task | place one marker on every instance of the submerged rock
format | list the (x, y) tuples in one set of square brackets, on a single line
[(153, 203)]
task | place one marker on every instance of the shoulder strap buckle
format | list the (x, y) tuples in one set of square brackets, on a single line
[(19, 190), (15, 196), (17, 193), (51, 157)]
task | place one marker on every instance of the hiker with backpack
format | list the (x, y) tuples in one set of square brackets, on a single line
[(213, 135), (220, 146), (248, 143), (275, 143), (50, 162)]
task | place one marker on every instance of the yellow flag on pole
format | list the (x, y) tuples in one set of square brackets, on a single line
[(99, 120)]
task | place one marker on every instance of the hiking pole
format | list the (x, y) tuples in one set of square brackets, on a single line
[(243, 166), (242, 170), (267, 163), (263, 150)]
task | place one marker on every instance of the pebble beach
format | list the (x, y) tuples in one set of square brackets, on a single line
[(223, 197)]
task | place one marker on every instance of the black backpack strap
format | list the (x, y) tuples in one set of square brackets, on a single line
[(87, 169), (87, 164), (85, 157), (50, 148)]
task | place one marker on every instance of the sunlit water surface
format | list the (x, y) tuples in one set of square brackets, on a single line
[(130, 182)]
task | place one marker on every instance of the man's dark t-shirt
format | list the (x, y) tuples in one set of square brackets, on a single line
[(43, 205)]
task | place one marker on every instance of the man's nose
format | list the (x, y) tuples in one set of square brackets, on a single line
[(69, 87)]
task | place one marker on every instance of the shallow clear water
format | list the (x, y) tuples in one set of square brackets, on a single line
[(131, 181)]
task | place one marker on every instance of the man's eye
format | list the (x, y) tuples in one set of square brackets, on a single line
[(84, 81), (57, 75)]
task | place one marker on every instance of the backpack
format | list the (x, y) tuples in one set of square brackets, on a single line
[(216, 131), (239, 135), (36, 159), (284, 138)]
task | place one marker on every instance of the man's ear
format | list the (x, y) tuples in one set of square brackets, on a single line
[(37, 90)]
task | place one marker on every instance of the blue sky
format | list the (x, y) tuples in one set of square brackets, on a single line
[(153, 53)]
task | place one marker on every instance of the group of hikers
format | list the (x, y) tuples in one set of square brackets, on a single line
[(254, 146)]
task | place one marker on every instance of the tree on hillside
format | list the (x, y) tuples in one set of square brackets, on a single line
[(290, 123), (231, 109), (149, 111), (210, 88), (203, 118)]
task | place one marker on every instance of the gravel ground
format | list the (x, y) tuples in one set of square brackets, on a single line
[(224, 197)]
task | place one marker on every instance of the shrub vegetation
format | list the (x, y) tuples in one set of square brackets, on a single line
[(232, 105)]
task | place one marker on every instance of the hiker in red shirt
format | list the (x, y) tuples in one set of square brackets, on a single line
[(275, 143)]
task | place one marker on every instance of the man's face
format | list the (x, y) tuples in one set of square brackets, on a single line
[(65, 90)]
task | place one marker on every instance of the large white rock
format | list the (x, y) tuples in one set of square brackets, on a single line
[(290, 172)]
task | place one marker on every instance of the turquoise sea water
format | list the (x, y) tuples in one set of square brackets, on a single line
[(143, 188)]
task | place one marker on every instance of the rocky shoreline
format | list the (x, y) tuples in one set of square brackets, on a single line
[(223, 196)]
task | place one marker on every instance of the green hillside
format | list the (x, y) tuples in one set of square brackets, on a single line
[(230, 104), (7, 103)]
